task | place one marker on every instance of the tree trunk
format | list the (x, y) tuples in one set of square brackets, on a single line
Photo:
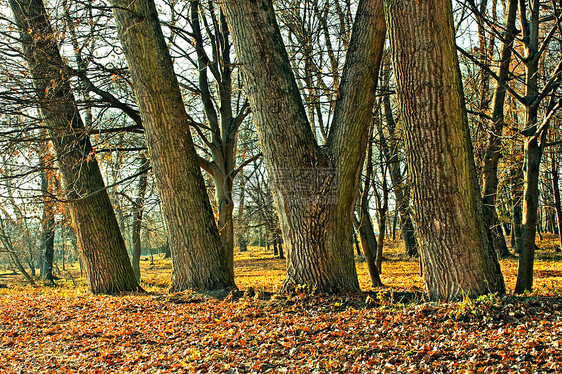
[(390, 151), (102, 248), (314, 187), (365, 225), (516, 181), (138, 208), (457, 258), (356, 243), (557, 204), (48, 220), (492, 152), (533, 147), (368, 242), (199, 259), (530, 206)]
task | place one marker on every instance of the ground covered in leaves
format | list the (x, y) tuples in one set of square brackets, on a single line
[(64, 329)]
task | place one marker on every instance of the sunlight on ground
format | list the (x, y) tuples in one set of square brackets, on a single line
[(258, 268)]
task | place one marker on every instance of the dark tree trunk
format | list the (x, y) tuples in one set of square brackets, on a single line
[(47, 222), (199, 259), (281, 254), (364, 225), (457, 258), (492, 152), (368, 242), (138, 208), (101, 244), (516, 176), (557, 204), (356, 243), (535, 137), (315, 188)]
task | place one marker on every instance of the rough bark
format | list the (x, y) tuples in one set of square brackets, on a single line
[(101, 245), (314, 187), (199, 259), (457, 258)]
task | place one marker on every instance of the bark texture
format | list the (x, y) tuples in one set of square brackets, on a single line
[(457, 256), (101, 245), (199, 259), (314, 187)]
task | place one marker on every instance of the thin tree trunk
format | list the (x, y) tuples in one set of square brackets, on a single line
[(457, 258), (199, 258), (365, 225), (138, 208), (492, 152), (100, 241), (390, 151), (48, 219), (557, 204)]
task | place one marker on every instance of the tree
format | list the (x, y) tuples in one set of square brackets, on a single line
[(314, 186), (457, 257), (199, 259), (138, 208), (102, 247)]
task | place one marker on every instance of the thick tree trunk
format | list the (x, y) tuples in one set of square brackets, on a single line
[(199, 259), (101, 244), (138, 209), (457, 258), (314, 187), (492, 152)]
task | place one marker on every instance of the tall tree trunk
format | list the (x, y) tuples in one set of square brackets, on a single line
[(315, 188), (364, 225), (100, 241), (535, 137), (138, 209), (242, 223), (557, 204), (199, 259), (492, 152), (457, 258), (48, 219), (516, 183)]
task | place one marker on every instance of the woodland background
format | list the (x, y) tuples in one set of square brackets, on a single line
[(264, 153)]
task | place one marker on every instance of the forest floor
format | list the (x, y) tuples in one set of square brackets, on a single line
[(64, 329)]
